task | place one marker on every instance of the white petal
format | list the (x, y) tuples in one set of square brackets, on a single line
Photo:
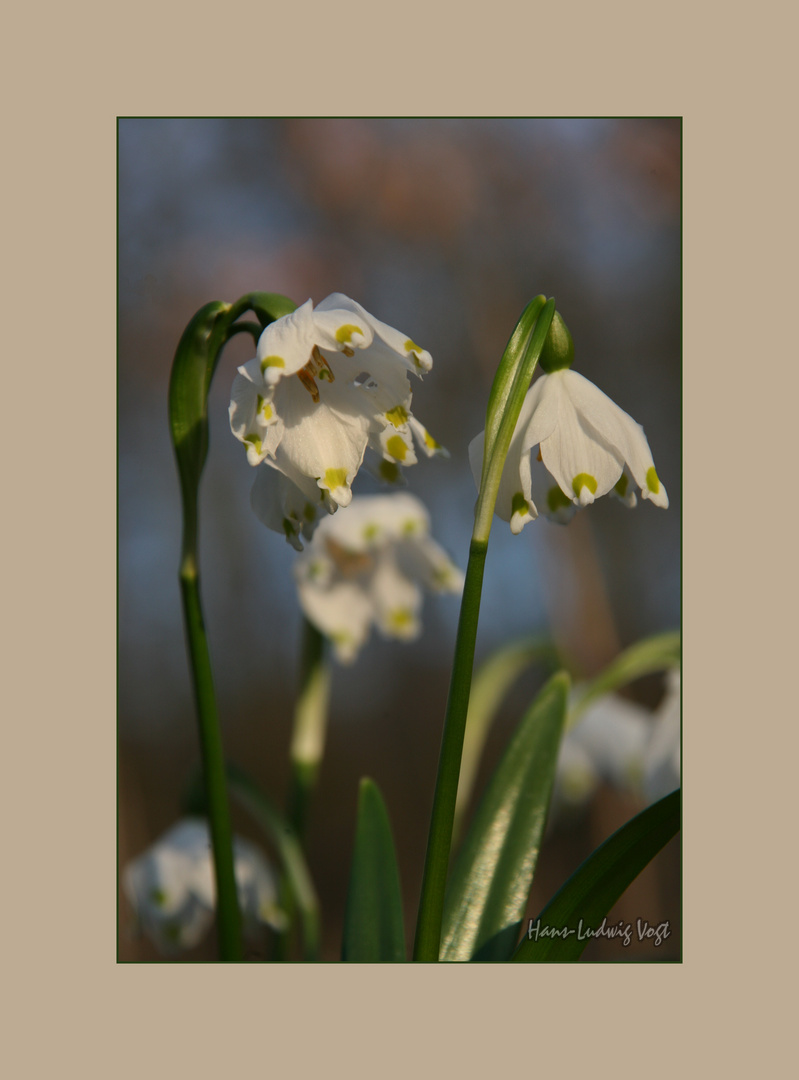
[(614, 732), (340, 328), (342, 612), (584, 466), (547, 494), (397, 600), (662, 757), (324, 440), (425, 561), (428, 444), (285, 345), (396, 444), (389, 343), (283, 506), (619, 431)]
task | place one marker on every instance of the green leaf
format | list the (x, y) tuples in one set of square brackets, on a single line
[(597, 884), (491, 683), (647, 656), (490, 883), (373, 923)]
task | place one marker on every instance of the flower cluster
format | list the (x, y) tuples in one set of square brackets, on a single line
[(624, 745), (326, 385), (172, 891), (366, 566), (587, 447)]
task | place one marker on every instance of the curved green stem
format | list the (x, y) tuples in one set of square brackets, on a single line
[(195, 361)]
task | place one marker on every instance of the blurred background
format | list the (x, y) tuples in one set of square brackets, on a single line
[(443, 228)]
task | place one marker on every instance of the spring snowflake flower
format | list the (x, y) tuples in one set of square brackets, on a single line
[(367, 565), (662, 757), (172, 890), (587, 446), (607, 744), (326, 384), (624, 745)]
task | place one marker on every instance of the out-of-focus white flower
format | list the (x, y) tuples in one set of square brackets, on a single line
[(172, 890), (587, 447), (367, 566), (662, 756), (326, 384), (608, 743), (624, 745)]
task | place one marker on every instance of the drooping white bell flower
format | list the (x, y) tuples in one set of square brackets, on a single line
[(662, 756), (624, 745), (325, 384), (586, 446), (172, 890), (367, 566), (608, 743)]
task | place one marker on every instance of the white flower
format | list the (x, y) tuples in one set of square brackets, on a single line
[(608, 743), (587, 447), (172, 890), (326, 384), (624, 745), (662, 757), (366, 565)]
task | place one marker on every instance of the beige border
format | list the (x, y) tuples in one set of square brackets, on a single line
[(72, 70)]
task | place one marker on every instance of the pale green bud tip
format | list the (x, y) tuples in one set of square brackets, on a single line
[(558, 351)]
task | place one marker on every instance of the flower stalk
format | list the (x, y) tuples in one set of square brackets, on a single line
[(505, 401), (310, 726), (195, 361)]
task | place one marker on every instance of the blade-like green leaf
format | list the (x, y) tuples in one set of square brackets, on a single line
[(643, 658), (490, 882), (373, 924), (489, 687), (592, 890)]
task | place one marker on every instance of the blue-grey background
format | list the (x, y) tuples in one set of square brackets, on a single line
[(445, 229)]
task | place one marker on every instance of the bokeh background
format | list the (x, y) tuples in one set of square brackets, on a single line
[(444, 228)]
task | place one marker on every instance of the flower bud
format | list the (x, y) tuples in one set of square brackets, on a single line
[(558, 351)]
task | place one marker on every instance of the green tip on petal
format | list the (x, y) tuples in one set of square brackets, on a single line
[(397, 448), (652, 481), (621, 485), (335, 478), (410, 527), (400, 619), (582, 480), (558, 351), (519, 504), (254, 441), (158, 897), (370, 531), (309, 513), (345, 332), (556, 500), (289, 528), (397, 416), (272, 361)]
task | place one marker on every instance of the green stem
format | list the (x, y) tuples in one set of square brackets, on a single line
[(310, 726), (431, 905), (227, 908)]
